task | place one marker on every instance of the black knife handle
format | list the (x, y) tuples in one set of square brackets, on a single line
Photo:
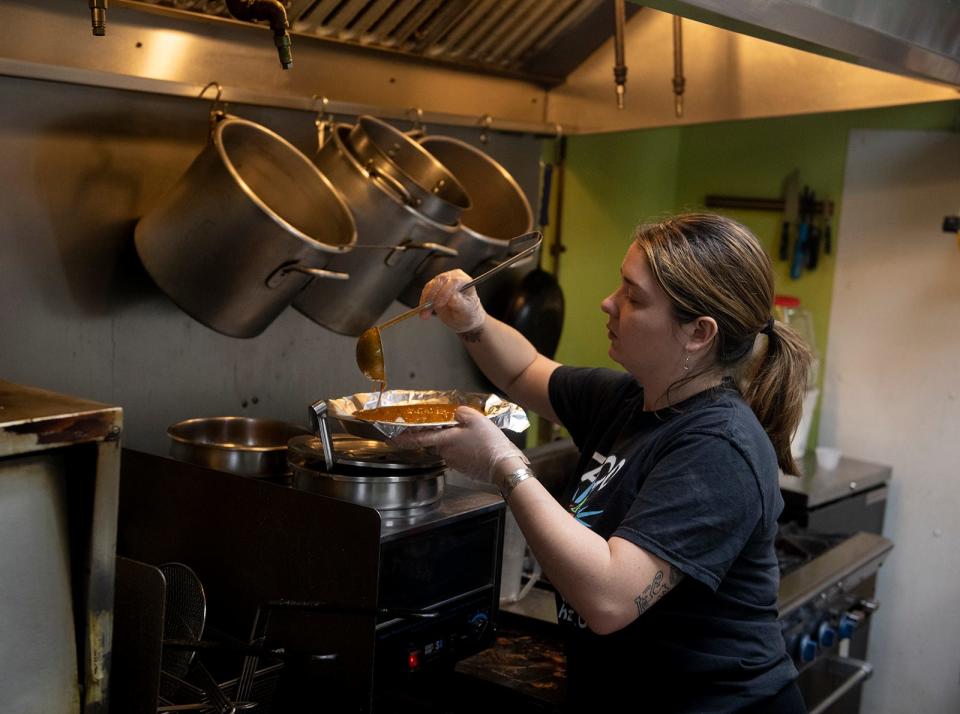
[(785, 241), (813, 255)]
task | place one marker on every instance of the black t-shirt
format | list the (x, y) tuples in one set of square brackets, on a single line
[(695, 484)]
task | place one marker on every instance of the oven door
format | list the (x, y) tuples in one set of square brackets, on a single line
[(438, 596)]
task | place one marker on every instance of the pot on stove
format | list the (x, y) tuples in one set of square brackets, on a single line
[(365, 471)]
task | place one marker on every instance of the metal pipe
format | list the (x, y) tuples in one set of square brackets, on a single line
[(275, 13), (619, 67), (98, 17), (679, 82)]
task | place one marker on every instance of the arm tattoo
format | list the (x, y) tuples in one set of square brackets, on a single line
[(472, 336), (657, 589)]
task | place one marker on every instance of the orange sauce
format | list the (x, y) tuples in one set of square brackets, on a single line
[(410, 413)]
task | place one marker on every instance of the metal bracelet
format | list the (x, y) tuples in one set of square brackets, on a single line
[(507, 485)]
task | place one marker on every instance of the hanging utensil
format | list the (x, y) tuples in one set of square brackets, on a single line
[(813, 249), (791, 211), (369, 344), (803, 236), (536, 309), (827, 231)]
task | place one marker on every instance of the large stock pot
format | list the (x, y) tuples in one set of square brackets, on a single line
[(394, 235), (250, 223), (499, 211)]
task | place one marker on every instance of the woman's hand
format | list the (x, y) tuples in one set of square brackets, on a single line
[(460, 311), (474, 447)]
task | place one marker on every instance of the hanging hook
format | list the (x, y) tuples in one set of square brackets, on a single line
[(323, 122), (419, 130), (486, 121), (218, 110)]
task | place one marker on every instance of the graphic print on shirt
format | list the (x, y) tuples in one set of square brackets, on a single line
[(593, 481)]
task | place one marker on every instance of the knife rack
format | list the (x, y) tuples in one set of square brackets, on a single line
[(775, 205)]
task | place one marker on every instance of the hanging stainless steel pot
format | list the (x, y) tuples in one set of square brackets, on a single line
[(424, 182), (250, 223), (383, 217), (499, 211)]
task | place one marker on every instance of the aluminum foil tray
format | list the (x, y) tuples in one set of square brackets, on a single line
[(504, 414)]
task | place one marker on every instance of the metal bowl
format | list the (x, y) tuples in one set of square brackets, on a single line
[(240, 445)]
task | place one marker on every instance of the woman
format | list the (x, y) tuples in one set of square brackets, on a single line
[(666, 574)]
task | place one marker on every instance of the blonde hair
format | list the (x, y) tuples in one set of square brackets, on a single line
[(710, 265)]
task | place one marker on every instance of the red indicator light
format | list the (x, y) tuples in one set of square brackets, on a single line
[(413, 660)]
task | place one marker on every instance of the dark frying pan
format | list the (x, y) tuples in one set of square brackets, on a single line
[(536, 307)]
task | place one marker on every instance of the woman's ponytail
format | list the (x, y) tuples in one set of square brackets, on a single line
[(774, 385)]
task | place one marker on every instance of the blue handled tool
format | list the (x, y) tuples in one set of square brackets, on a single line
[(803, 234)]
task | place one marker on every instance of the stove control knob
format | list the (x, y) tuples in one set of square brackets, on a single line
[(478, 623), (808, 649), (826, 635), (848, 623)]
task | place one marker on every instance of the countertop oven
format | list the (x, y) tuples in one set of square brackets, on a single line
[(369, 600)]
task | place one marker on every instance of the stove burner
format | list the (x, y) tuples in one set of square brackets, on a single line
[(796, 546)]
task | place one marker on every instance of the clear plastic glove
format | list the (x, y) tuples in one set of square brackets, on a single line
[(460, 311), (473, 448)]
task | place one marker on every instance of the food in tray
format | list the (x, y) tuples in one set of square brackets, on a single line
[(411, 413)]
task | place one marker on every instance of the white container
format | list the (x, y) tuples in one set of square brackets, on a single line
[(828, 457), (798, 445)]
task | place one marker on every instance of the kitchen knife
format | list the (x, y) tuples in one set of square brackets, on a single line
[(791, 207), (827, 233), (813, 245)]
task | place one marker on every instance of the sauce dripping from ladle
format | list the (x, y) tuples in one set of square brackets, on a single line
[(370, 346)]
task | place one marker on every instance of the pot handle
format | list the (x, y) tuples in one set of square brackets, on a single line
[(435, 248), (391, 181), (432, 247), (318, 418), (277, 276)]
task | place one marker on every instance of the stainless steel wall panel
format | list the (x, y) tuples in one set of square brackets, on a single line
[(80, 315)]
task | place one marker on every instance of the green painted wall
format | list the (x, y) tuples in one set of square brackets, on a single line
[(614, 181)]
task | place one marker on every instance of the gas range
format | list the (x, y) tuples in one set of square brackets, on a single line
[(821, 600)]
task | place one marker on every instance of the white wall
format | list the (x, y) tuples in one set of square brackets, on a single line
[(892, 395)]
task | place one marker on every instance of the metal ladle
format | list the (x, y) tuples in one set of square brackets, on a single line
[(369, 344)]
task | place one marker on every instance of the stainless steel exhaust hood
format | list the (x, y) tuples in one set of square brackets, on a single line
[(524, 65), (918, 38), (536, 40), (543, 40)]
